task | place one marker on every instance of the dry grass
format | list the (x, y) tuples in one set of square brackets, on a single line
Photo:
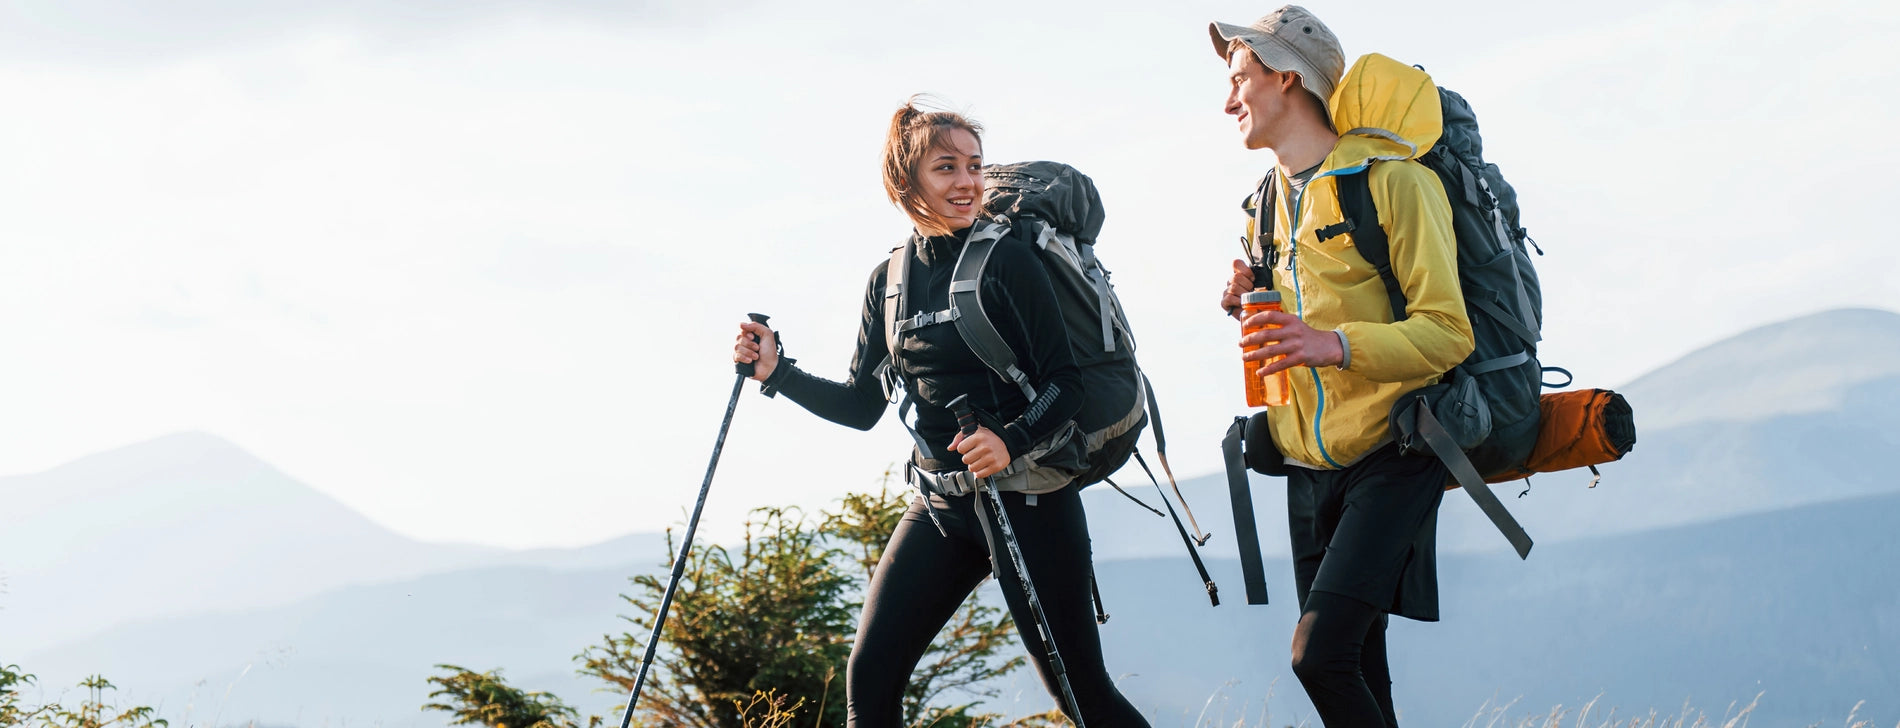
[(1221, 711), (1587, 716)]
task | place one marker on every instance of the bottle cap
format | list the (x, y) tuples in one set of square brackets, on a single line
[(1252, 297)]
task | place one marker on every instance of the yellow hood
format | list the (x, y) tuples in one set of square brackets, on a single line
[(1384, 110)]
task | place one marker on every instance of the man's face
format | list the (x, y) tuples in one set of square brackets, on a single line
[(1256, 98)]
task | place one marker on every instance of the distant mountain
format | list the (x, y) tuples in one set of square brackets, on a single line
[(1802, 411), (1814, 364), (190, 523), (1758, 458), (1798, 604), (359, 654)]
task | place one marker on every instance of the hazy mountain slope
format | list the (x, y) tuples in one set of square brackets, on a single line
[(1800, 603), (1810, 364), (175, 525), (1703, 610), (358, 653), (189, 523), (1802, 411)]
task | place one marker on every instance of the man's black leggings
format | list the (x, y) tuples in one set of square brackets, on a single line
[(1339, 656), (1363, 547), (924, 577)]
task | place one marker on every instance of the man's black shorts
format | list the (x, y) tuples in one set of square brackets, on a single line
[(1370, 531)]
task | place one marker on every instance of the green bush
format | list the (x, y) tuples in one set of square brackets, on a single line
[(758, 636)]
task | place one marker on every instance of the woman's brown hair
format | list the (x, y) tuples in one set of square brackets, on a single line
[(914, 133)]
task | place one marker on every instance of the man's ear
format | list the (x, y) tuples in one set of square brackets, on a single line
[(1290, 81)]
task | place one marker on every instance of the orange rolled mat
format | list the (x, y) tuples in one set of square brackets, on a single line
[(1580, 428)]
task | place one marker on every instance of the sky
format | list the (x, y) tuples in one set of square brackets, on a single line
[(474, 268)]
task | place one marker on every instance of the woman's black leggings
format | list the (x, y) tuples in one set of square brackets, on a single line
[(1339, 656), (924, 577)]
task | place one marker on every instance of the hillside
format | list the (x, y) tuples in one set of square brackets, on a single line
[(1798, 604), (191, 523), (357, 654), (1739, 548), (1745, 425)]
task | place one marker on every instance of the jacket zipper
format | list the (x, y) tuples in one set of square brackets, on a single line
[(1299, 301)]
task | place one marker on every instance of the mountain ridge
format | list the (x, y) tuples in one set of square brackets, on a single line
[(1802, 365), (1750, 574)]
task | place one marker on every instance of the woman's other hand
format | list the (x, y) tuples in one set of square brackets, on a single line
[(983, 452), (763, 354)]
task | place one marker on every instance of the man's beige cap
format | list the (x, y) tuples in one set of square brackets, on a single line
[(1290, 39)]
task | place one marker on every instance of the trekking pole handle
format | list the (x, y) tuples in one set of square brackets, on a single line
[(966, 417), (746, 368)]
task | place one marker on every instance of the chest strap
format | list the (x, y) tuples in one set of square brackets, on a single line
[(926, 319)]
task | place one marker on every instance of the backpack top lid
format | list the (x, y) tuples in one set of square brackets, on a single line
[(1051, 191), (1386, 110)]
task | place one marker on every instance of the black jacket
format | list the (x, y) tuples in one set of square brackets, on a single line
[(936, 365)]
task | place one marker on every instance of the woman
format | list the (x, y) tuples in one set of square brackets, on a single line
[(945, 544)]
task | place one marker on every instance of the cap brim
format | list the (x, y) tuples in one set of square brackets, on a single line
[(1271, 52), (1223, 33)]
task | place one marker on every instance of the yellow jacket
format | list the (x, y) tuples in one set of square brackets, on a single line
[(1388, 113)]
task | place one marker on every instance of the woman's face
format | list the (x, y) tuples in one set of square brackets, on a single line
[(951, 180)]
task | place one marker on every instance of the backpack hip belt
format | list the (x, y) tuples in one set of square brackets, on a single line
[(1022, 475)]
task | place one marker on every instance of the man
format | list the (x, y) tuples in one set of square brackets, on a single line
[(1363, 516)]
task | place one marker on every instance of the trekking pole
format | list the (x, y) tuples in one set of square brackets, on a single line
[(692, 524), (966, 422)]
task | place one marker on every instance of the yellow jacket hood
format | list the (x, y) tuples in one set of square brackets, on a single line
[(1385, 110)]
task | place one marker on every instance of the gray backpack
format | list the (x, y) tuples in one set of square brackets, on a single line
[(1482, 418), (1058, 211)]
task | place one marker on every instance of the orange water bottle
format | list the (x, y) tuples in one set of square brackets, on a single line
[(1270, 391)]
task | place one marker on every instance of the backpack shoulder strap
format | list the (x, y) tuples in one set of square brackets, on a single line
[(1261, 253), (896, 276), (966, 307), (896, 280), (1362, 220)]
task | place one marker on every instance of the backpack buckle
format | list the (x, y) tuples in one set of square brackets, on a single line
[(1332, 231)]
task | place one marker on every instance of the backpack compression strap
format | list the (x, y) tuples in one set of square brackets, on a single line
[(1461, 468), (1253, 572), (966, 307), (1081, 256)]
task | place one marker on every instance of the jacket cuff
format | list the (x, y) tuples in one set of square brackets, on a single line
[(1015, 440), (780, 375), (1345, 351)]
